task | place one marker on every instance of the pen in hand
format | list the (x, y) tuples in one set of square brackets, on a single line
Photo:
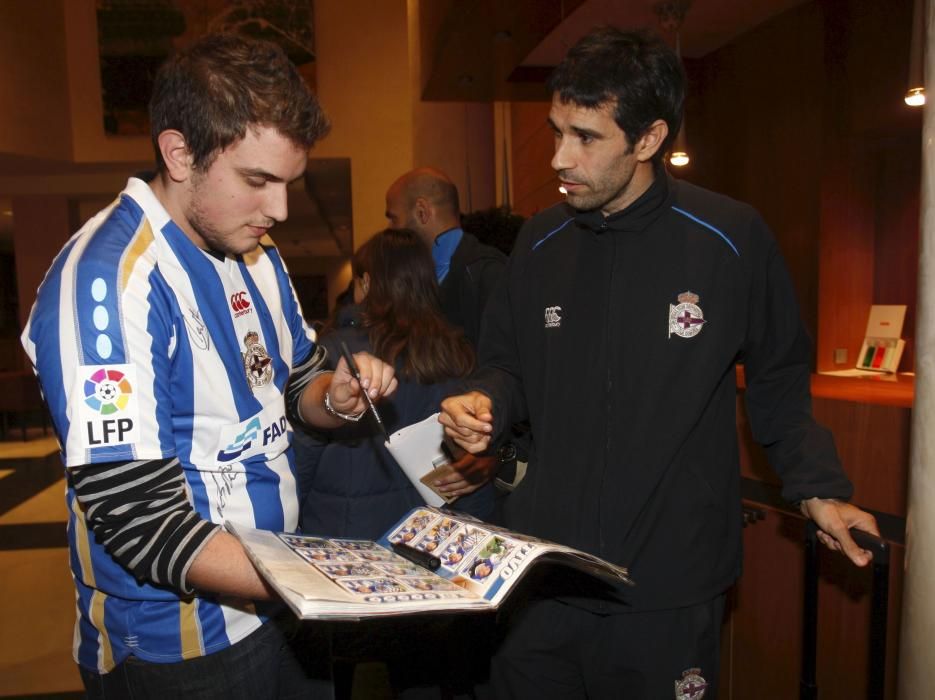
[(355, 372)]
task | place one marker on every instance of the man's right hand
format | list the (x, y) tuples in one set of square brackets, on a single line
[(468, 420)]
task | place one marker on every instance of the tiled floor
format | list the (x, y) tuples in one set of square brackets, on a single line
[(37, 609)]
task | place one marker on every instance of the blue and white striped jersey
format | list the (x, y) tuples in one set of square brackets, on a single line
[(148, 347)]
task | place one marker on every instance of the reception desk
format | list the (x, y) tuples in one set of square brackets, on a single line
[(761, 647)]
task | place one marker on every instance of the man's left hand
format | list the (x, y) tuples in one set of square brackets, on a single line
[(470, 473), (834, 519)]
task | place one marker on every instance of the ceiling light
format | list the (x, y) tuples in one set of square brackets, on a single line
[(915, 96), (679, 159), (671, 14)]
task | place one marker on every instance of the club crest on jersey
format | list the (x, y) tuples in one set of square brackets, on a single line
[(256, 361), (692, 686), (109, 412), (686, 318)]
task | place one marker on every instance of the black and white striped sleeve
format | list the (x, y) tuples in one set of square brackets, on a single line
[(141, 513), (302, 375)]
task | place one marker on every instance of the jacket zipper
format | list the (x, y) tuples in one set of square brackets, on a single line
[(608, 397)]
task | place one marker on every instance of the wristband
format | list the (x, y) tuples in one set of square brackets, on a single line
[(330, 410)]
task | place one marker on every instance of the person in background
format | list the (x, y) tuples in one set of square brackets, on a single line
[(171, 349), (355, 489), (616, 333), (497, 227), (426, 201)]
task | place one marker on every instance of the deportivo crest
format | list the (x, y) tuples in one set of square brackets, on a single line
[(686, 318), (256, 361), (692, 686)]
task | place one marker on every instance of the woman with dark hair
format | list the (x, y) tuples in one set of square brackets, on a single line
[(356, 489)]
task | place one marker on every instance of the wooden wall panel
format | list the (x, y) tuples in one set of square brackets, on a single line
[(873, 442), (819, 141), (754, 128), (844, 596), (765, 629), (896, 241), (535, 186), (846, 252), (763, 635), (869, 137)]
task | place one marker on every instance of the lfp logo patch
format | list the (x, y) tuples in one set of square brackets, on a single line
[(107, 391), (109, 412)]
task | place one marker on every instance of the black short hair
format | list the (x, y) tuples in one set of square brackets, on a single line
[(220, 85), (635, 71)]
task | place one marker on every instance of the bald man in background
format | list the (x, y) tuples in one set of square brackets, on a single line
[(426, 201)]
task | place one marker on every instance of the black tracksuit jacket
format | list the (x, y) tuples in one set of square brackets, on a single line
[(633, 420), (474, 271)]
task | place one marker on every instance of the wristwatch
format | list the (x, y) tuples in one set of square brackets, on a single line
[(506, 453)]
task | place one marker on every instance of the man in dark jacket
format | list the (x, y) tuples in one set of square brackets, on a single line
[(426, 201), (616, 332)]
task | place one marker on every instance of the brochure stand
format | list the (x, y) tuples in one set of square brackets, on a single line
[(883, 347)]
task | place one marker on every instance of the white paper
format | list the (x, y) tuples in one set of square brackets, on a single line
[(417, 449)]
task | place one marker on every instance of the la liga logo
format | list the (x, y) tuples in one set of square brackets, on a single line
[(107, 391)]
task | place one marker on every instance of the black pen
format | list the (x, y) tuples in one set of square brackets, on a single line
[(417, 556), (352, 367)]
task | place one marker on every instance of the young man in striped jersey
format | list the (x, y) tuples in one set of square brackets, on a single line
[(172, 354)]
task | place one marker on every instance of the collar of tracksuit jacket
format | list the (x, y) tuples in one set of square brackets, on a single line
[(648, 207)]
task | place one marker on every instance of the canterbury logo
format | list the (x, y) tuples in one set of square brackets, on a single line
[(553, 317), (240, 303)]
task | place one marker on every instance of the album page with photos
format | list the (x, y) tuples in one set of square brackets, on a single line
[(327, 578)]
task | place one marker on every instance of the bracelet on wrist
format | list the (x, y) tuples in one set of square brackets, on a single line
[(330, 410)]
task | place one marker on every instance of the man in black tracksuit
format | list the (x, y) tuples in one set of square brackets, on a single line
[(616, 333)]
